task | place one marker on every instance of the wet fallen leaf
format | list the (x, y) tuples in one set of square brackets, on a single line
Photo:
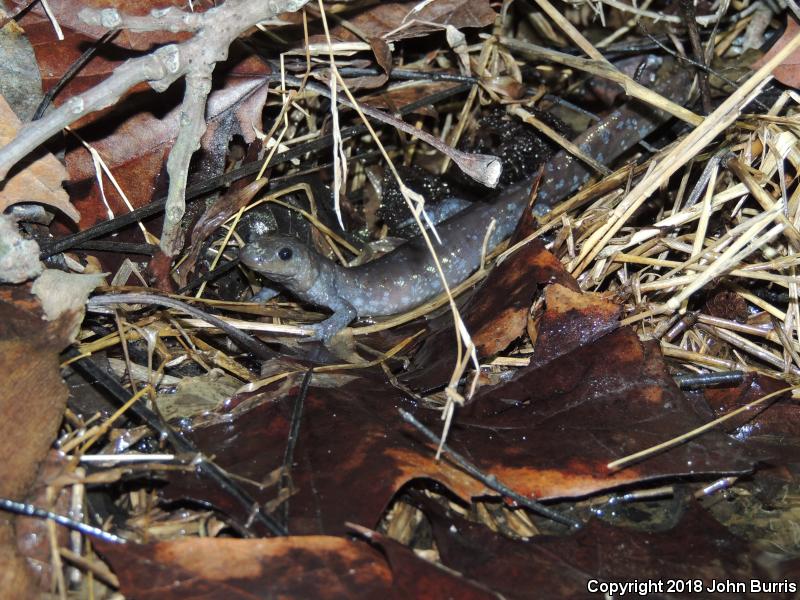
[(773, 428), (548, 433), (352, 452), (290, 567), (496, 315), (698, 551), (557, 425), (572, 319)]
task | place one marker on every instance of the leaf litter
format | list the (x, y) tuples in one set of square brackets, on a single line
[(289, 469)]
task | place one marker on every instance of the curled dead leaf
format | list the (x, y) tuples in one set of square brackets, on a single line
[(39, 181)]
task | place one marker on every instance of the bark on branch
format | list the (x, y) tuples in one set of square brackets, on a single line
[(214, 31)]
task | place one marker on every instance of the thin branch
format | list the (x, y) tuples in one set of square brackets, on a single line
[(192, 128), (251, 168), (29, 510), (243, 340), (260, 521), (153, 67), (291, 443), (165, 19), (215, 30), (489, 481), (687, 8)]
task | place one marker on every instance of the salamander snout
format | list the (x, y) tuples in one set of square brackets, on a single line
[(250, 256), (281, 258)]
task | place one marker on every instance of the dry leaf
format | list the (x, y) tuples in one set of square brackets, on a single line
[(19, 258), (787, 72), (39, 181), (63, 296)]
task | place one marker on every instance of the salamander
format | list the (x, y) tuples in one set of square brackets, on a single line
[(407, 277)]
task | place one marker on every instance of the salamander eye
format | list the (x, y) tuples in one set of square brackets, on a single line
[(285, 253)]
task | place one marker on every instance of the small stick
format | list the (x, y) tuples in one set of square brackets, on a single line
[(623, 462), (243, 340), (291, 444), (721, 379), (29, 510), (690, 18), (489, 480)]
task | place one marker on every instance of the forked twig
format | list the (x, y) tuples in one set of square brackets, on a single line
[(195, 59)]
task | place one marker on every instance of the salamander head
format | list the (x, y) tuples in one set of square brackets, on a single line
[(283, 259)]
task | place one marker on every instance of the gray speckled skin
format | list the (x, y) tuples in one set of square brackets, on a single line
[(406, 277), (395, 282), (622, 129)]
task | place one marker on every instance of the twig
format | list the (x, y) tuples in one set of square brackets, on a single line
[(721, 379), (197, 190), (489, 480), (195, 59), (29, 510), (119, 247), (213, 274), (690, 17), (94, 374), (243, 340), (408, 75), (15, 12), (291, 442)]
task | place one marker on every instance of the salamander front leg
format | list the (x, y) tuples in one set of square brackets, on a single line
[(343, 315), (265, 294)]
